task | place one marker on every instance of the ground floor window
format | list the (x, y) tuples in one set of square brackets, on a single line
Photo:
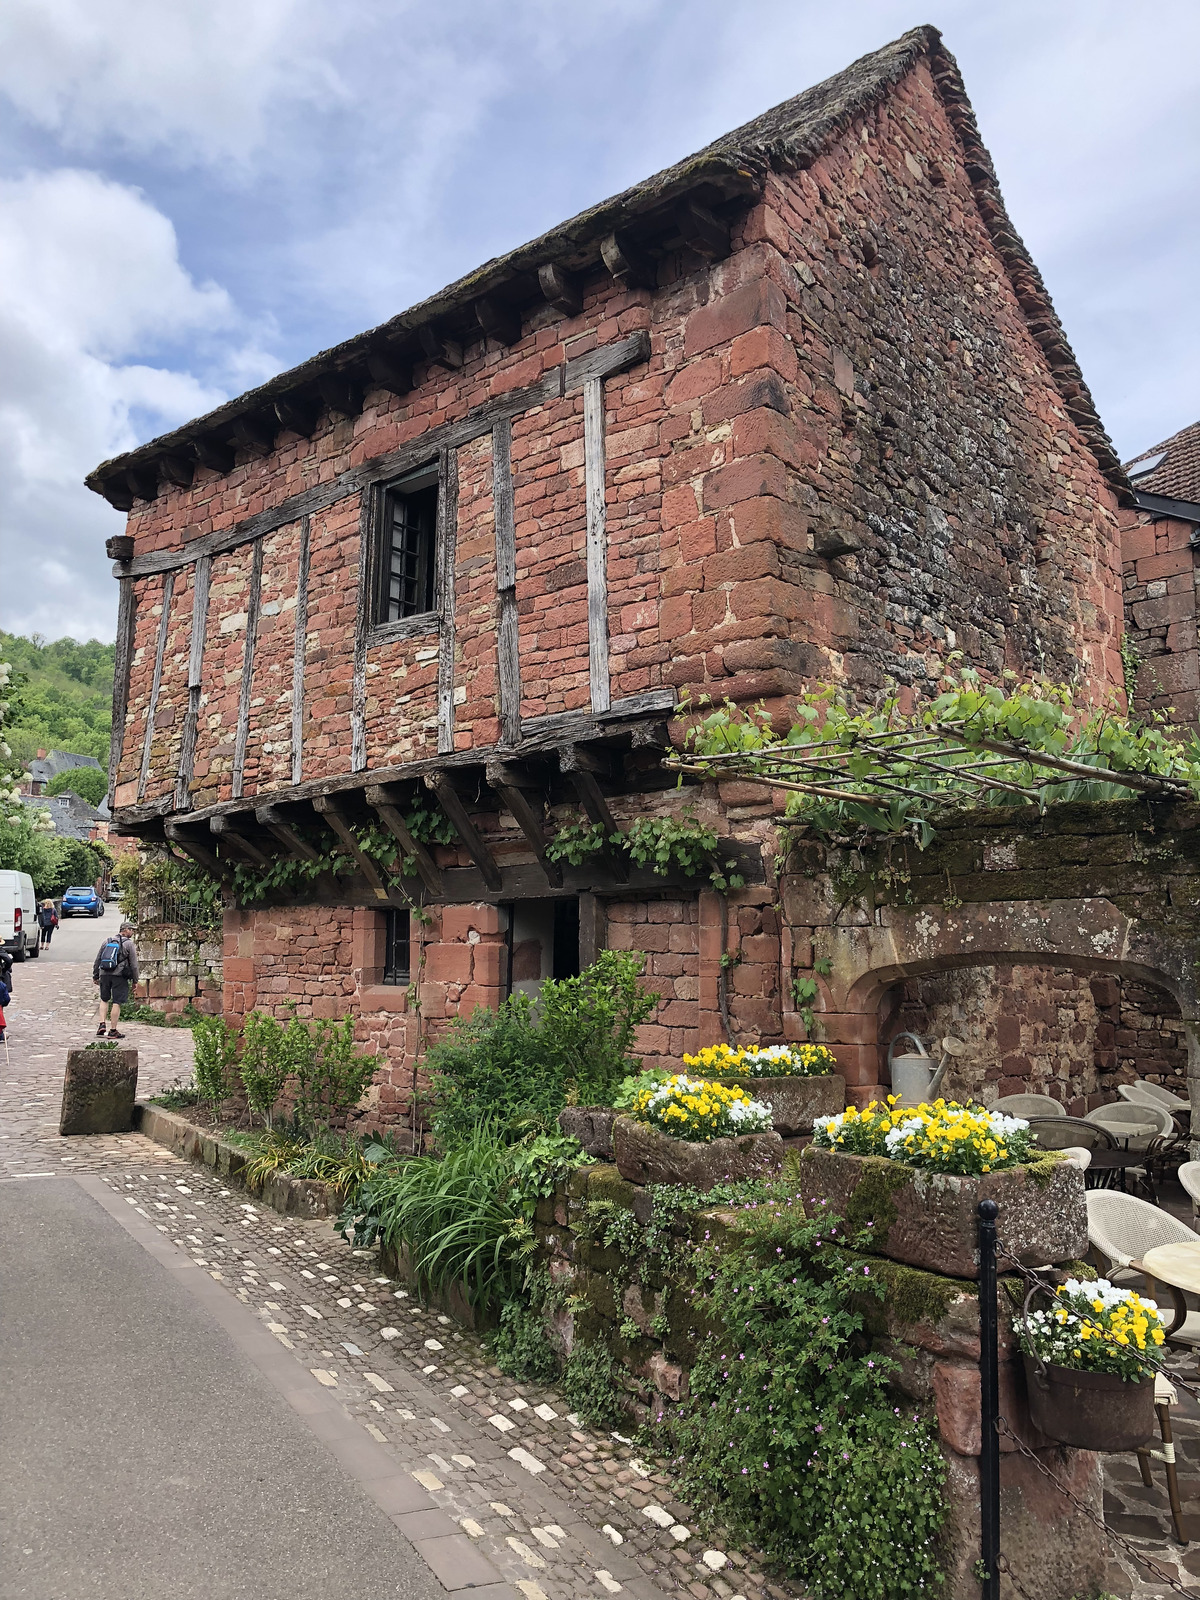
[(543, 942), (397, 963)]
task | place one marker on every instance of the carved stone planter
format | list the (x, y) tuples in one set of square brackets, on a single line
[(795, 1101), (647, 1155), (99, 1091), (928, 1219), (592, 1126)]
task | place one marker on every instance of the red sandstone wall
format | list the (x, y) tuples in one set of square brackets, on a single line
[(1160, 578)]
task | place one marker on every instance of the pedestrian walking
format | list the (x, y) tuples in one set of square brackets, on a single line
[(47, 921), (114, 969), (5, 998)]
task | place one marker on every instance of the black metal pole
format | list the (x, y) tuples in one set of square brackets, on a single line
[(989, 1405)]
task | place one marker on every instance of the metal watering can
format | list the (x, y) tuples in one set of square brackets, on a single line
[(914, 1076)]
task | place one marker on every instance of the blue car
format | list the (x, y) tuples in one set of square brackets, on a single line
[(82, 903)]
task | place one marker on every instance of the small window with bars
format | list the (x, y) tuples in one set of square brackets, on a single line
[(397, 961), (408, 552)]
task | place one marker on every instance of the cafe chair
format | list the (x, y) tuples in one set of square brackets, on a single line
[(1078, 1155), (1165, 1396), (1136, 1127), (1121, 1228), (1189, 1177), (1060, 1133), (1152, 1094), (1028, 1105)]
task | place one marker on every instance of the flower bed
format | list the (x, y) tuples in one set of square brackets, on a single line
[(941, 1136), (768, 1061)]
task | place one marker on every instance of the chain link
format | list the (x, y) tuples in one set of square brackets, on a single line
[(1110, 1533)]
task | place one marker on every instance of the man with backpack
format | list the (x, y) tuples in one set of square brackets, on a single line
[(114, 969)]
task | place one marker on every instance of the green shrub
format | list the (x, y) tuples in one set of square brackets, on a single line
[(216, 1046), (330, 1077), (264, 1067), (791, 1434), (523, 1063), (521, 1345), (589, 1383)]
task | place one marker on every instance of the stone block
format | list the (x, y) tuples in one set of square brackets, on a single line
[(928, 1219), (795, 1101), (647, 1155), (98, 1091), (592, 1126)]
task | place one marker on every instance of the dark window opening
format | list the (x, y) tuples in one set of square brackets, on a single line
[(408, 558), (397, 961), (566, 938), (541, 941)]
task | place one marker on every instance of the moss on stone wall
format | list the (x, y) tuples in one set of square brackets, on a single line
[(871, 1202)]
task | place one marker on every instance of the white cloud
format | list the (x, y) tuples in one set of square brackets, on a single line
[(90, 279), (194, 77)]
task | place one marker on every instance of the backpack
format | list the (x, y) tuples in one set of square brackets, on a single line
[(112, 954)]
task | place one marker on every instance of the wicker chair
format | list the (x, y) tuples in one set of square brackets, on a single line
[(1189, 1177), (1028, 1105), (1061, 1133), (1152, 1094), (1121, 1228), (1078, 1155), (1135, 1126)]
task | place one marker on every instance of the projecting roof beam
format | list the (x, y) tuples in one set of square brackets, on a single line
[(386, 804), (297, 414), (560, 288), (212, 453), (177, 470), (498, 321), (187, 841), (514, 785), (341, 393), (340, 824), (581, 767), (451, 803), (440, 350), (297, 847), (631, 267), (389, 372), (228, 831)]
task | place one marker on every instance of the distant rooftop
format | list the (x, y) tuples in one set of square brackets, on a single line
[(1170, 469)]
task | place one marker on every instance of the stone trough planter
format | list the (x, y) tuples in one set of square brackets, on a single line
[(928, 1219), (647, 1155), (593, 1127), (99, 1092), (795, 1101)]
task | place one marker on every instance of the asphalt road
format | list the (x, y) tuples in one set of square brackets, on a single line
[(145, 1457)]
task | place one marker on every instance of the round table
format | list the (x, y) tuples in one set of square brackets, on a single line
[(1177, 1264), (1107, 1168)]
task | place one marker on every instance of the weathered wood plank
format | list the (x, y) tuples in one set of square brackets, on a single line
[(527, 815), (185, 837), (122, 663), (597, 543), (607, 360), (282, 829), (187, 742), (560, 288), (447, 543), (385, 804), (575, 765), (508, 659), (451, 803), (327, 808), (160, 647), (299, 651), (368, 519), (253, 603), (591, 929)]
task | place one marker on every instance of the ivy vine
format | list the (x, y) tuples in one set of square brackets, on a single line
[(663, 844)]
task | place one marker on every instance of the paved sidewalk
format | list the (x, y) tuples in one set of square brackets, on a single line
[(510, 1495)]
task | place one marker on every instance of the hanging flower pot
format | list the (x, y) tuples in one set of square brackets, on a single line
[(1090, 1410), (1089, 1364)]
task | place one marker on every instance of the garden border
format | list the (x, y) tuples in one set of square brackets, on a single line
[(291, 1197)]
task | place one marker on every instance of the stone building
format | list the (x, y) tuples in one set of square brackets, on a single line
[(1159, 545), (795, 410)]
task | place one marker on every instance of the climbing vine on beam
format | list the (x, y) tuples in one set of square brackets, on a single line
[(890, 771)]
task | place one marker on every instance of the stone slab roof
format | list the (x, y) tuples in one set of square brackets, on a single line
[(730, 171), (1177, 475)]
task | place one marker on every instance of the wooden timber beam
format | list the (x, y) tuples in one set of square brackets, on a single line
[(142, 482), (177, 470), (117, 492), (297, 847), (297, 414), (389, 371), (512, 784), (440, 350), (227, 831), (337, 820), (451, 803), (581, 767), (200, 853), (255, 432), (341, 393), (385, 803), (701, 231), (630, 267), (498, 321), (212, 453), (560, 289)]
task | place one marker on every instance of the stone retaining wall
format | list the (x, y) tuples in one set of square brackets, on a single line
[(179, 969)]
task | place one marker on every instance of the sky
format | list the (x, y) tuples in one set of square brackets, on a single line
[(196, 195)]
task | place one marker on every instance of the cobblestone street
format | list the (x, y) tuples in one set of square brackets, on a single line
[(495, 1484)]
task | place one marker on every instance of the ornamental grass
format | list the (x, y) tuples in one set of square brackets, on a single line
[(1095, 1327), (767, 1061), (941, 1136), (699, 1110)]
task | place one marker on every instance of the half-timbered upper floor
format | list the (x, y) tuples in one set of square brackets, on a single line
[(798, 408)]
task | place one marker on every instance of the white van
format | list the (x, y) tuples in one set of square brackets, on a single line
[(18, 915)]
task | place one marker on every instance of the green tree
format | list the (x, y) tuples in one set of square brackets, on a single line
[(89, 783)]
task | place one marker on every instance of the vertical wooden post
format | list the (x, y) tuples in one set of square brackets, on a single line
[(508, 660), (367, 523), (243, 723), (597, 542), (301, 639), (187, 747), (447, 538), (168, 591), (122, 664)]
